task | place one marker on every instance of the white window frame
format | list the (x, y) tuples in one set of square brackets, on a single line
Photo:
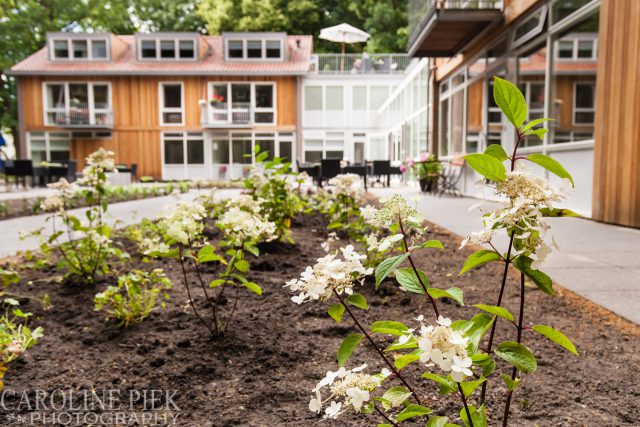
[(71, 57), (245, 57), (322, 136), (176, 49), (67, 105), (47, 142), (577, 109), (162, 108), (574, 53), (252, 102)]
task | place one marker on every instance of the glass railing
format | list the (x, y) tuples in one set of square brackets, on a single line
[(80, 114), (421, 10), (359, 63), (219, 114)]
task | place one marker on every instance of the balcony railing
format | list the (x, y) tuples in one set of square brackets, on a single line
[(359, 63), (423, 12), (82, 116), (221, 114)]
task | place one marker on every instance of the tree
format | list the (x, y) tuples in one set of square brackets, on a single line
[(162, 15)]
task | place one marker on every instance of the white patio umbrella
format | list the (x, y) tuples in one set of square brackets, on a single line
[(344, 33)]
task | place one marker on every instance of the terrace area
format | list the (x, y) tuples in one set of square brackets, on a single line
[(359, 63)]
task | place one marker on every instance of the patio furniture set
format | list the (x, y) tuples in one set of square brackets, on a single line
[(380, 170)]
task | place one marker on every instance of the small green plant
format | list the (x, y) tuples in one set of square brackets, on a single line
[(15, 338), (135, 296), (277, 187), (88, 246)]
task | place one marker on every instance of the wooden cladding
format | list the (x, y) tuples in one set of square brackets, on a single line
[(136, 132), (616, 178)]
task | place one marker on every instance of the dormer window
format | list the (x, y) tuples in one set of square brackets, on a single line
[(254, 47), (167, 47), (73, 47)]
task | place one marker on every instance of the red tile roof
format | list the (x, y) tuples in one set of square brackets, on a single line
[(296, 62)]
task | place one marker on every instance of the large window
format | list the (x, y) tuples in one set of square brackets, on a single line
[(79, 49), (183, 148), (313, 98), (171, 104), (334, 98), (77, 104), (49, 146), (167, 49), (242, 103), (254, 49), (323, 145), (574, 79)]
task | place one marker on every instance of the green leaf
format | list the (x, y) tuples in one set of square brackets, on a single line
[(510, 100), (479, 258), (207, 254), (387, 266), (486, 362), (517, 355), (478, 416), (558, 212), (357, 300), (468, 387), (448, 385), (390, 327), (253, 287), (407, 278), (252, 249), (542, 281), (534, 123), (431, 244), (439, 422), (216, 282), (511, 384), (336, 311), (556, 336), (346, 348), (395, 397), (487, 166), (552, 165), (241, 265), (413, 411), (474, 329), (453, 293), (406, 359), (498, 311), (537, 132), (496, 151)]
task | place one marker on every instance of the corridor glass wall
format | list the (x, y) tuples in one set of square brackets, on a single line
[(404, 119), (552, 55)]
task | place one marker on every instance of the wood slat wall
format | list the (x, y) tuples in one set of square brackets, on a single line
[(137, 131), (616, 178)]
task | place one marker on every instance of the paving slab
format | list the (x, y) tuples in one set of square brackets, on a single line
[(600, 262), (119, 214)]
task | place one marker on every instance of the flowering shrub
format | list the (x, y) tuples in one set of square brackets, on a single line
[(135, 296), (89, 246), (243, 227), (449, 350), (277, 187)]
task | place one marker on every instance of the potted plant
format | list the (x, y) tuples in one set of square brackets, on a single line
[(427, 170), (216, 99)]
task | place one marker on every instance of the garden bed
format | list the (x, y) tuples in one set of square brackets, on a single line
[(261, 371)]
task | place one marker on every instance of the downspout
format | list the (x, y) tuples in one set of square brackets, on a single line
[(298, 133)]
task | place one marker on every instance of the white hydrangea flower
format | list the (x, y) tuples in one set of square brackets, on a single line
[(328, 244), (246, 203), (185, 225), (241, 226), (330, 274), (349, 389), (443, 346), (394, 209), (52, 203), (97, 163), (384, 244), (348, 184)]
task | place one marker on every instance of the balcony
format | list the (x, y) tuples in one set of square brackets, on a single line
[(444, 27), (82, 116), (222, 115), (359, 63)]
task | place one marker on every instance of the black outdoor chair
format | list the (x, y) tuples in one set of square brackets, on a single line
[(451, 177), (329, 168), (382, 168), (358, 169), (20, 169), (72, 170), (134, 172)]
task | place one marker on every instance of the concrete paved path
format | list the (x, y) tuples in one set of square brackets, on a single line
[(123, 213), (598, 261)]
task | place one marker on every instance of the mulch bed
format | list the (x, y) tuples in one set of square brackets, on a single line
[(261, 371)]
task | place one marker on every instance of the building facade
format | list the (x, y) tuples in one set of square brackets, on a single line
[(574, 60)]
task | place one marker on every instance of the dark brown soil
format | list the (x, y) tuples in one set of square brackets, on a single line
[(261, 372)]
